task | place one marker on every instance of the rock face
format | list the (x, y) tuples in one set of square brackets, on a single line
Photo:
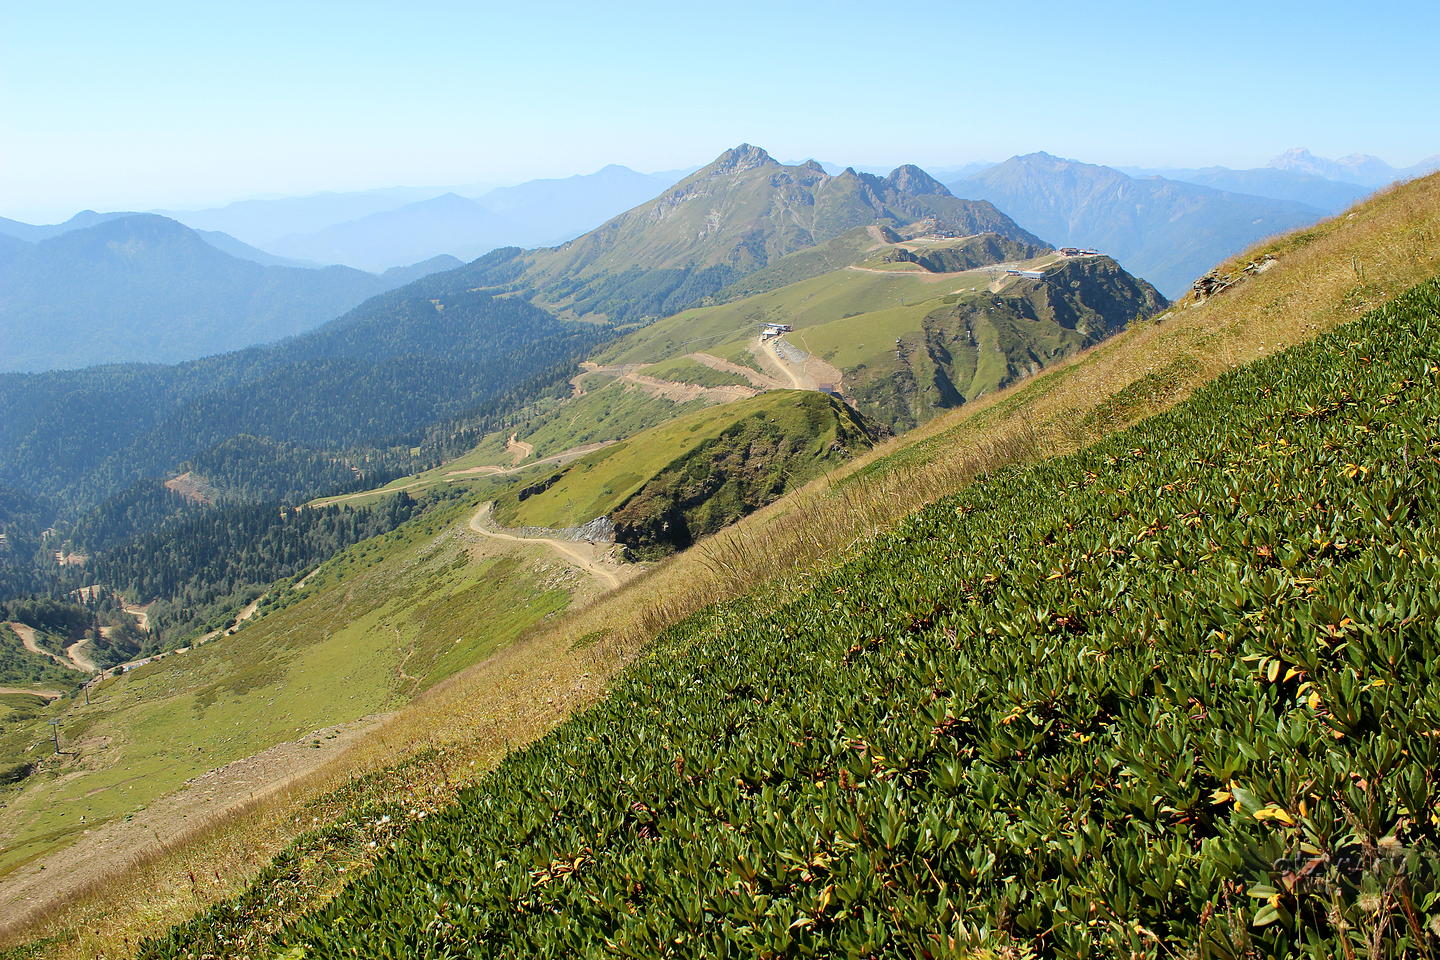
[(599, 530)]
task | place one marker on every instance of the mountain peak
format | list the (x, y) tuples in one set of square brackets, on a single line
[(912, 181), (739, 159), (1292, 156)]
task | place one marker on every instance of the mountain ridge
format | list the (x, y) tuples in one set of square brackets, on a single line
[(1164, 230), (142, 287)]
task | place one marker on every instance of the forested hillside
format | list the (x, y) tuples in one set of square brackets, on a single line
[(373, 378)]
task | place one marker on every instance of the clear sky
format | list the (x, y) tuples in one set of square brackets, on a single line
[(148, 104)]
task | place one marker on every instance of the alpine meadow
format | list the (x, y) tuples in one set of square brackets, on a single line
[(445, 515)]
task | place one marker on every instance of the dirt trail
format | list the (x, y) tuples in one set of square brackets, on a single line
[(677, 392), (141, 615), (519, 449), (330, 501), (919, 273), (756, 378), (558, 459), (77, 656), (201, 801), (34, 691), (27, 639), (572, 551), (588, 367)]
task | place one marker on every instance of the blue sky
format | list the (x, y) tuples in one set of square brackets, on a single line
[(145, 104)]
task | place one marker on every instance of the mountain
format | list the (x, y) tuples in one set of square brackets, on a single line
[(400, 276), (1358, 168), (142, 287), (908, 329), (447, 224), (529, 214), (1331, 196), (373, 377), (668, 486), (36, 232), (556, 210), (730, 218), (803, 642), (243, 251), (375, 229), (89, 218), (1163, 230), (264, 220)]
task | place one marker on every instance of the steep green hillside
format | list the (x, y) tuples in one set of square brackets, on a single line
[(753, 462), (1174, 694), (666, 486)]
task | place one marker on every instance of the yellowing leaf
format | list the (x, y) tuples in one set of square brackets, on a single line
[(1274, 812)]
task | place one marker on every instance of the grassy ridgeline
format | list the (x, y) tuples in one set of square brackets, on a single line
[(1225, 622)]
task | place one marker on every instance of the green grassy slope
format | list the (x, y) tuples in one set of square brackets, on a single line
[(1224, 623), (685, 370), (609, 412), (839, 294), (910, 342), (382, 621), (802, 433)]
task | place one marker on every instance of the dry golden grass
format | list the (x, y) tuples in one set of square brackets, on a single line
[(1324, 276)]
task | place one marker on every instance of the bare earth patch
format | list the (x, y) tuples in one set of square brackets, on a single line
[(192, 487), (202, 801), (756, 378)]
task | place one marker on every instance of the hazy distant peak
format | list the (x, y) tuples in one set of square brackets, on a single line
[(1354, 168), (814, 166), (912, 181)]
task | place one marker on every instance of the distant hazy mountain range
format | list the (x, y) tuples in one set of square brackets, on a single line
[(1328, 196), (103, 288), (377, 229), (1167, 231), (1358, 168)]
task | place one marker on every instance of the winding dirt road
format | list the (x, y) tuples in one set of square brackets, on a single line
[(519, 449), (769, 356), (79, 658), (568, 549), (27, 639), (757, 379), (34, 691), (559, 459)]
